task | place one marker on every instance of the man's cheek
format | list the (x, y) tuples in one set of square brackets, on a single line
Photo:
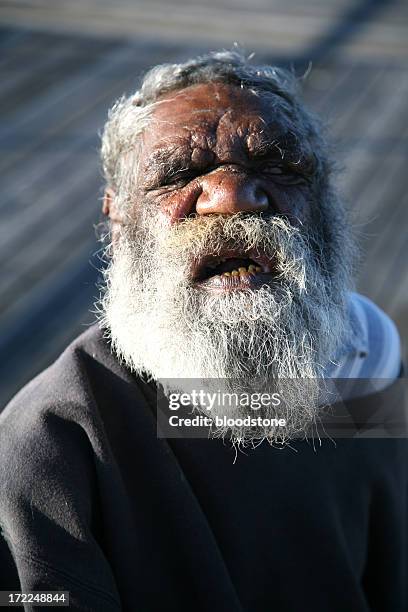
[(295, 203), (180, 202)]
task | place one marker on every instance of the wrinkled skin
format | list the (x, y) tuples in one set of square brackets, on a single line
[(218, 149)]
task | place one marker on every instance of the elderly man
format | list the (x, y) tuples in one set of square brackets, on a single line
[(230, 261)]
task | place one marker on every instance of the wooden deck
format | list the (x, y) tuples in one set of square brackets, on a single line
[(57, 85)]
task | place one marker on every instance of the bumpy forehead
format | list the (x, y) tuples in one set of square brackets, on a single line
[(198, 115)]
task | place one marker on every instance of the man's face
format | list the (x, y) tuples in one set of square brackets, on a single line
[(216, 149), (221, 268)]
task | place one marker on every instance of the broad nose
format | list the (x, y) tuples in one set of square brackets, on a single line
[(227, 191)]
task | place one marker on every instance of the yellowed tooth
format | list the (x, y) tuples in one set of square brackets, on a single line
[(226, 274), (234, 273), (242, 269), (258, 268), (251, 269)]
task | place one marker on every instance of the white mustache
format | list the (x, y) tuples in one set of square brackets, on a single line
[(197, 238)]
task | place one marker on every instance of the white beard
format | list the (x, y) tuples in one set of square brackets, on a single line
[(162, 326)]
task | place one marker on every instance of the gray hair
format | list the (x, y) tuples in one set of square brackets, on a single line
[(130, 114)]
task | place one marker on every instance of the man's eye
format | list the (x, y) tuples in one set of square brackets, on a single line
[(178, 178), (283, 173), (171, 180), (275, 169)]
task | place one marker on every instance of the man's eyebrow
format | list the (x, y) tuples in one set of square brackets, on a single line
[(265, 148), (165, 162), (161, 155), (279, 147)]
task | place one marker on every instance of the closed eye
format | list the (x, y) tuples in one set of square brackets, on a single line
[(171, 179), (184, 175), (284, 174), (181, 176), (288, 172)]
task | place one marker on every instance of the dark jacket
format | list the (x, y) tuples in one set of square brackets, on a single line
[(93, 503)]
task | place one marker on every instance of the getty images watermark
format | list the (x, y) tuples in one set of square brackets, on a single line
[(193, 407), (207, 400)]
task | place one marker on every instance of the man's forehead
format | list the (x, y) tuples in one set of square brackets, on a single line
[(194, 117), (206, 98)]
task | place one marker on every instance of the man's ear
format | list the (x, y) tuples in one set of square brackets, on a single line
[(109, 207)]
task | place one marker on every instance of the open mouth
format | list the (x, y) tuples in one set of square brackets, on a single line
[(233, 270)]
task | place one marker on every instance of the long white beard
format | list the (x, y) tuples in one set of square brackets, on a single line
[(162, 326)]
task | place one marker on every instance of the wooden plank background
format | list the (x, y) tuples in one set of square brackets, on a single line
[(63, 64)]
